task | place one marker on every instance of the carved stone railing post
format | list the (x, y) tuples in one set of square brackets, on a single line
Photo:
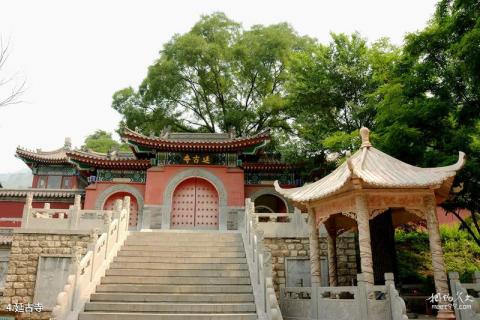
[(117, 208), (26, 210), (363, 221), (126, 205), (396, 308), (438, 263), (362, 296), (75, 213)]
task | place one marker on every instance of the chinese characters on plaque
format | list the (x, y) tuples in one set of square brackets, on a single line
[(196, 159)]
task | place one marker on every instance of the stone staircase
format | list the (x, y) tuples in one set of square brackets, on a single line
[(176, 275)]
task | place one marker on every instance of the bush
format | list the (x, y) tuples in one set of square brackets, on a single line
[(461, 254)]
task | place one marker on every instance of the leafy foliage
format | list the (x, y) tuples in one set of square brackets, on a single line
[(332, 92), (102, 141), (413, 255), (431, 109), (215, 77)]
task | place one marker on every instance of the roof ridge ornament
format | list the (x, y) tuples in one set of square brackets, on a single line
[(67, 145), (365, 135)]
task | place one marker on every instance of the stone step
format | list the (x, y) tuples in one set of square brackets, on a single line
[(177, 273), (179, 259), (187, 236), (179, 254), (165, 316), (176, 297), (181, 248), (174, 280), (171, 289), (185, 244), (178, 266), (171, 307)]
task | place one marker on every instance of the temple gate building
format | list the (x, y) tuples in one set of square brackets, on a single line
[(175, 180)]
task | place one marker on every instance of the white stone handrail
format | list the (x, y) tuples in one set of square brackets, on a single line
[(470, 309), (259, 261), (274, 215), (295, 225), (361, 302), (91, 268), (73, 218)]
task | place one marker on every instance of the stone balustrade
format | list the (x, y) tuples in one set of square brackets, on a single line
[(91, 268), (283, 225), (466, 296), (74, 218), (361, 302), (260, 266)]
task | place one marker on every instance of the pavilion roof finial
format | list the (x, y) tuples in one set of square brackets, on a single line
[(365, 135)]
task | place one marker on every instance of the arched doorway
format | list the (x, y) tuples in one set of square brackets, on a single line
[(194, 205), (110, 204), (269, 203)]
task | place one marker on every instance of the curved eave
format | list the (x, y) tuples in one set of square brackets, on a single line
[(139, 141), (388, 175), (94, 162), (30, 158)]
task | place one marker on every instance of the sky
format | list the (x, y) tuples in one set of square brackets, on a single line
[(74, 55)]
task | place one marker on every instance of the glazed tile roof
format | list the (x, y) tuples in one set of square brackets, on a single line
[(58, 156), (113, 160), (41, 193), (216, 142), (376, 169), (65, 155)]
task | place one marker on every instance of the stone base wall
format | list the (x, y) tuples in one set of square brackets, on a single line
[(23, 262), (282, 248)]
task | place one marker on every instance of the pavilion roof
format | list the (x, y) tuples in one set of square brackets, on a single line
[(376, 169), (208, 142)]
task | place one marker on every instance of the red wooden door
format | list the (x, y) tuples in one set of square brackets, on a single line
[(110, 204), (195, 205)]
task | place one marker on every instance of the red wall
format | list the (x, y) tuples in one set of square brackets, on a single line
[(93, 191), (159, 177)]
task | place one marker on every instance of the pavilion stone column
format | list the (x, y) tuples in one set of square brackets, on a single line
[(363, 218), (332, 253), (314, 250), (315, 267), (438, 264)]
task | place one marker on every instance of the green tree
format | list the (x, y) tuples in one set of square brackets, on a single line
[(215, 77), (332, 93), (431, 110), (102, 141)]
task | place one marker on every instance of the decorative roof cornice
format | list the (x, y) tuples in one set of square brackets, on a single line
[(266, 166), (110, 161), (213, 142), (48, 157), (41, 193), (65, 156)]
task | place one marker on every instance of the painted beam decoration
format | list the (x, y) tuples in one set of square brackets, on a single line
[(197, 158), (121, 175)]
